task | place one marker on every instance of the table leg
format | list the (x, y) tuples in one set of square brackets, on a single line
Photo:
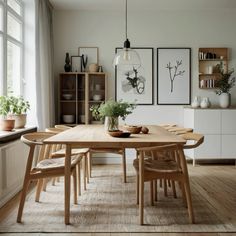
[(67, 184), (141, 188)]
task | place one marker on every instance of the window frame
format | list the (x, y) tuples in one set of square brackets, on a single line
[(20, 18)]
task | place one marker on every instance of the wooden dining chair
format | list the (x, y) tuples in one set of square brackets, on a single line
[(179, 130), (60, 151), (120, 151), (173, 167), (45, 167)]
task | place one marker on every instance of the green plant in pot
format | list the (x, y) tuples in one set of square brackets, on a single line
[(15, 109), (96, 114), (6, 124), (224, 85), (111, 110)]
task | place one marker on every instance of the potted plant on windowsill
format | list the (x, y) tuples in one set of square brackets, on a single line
[(111, 110), (224, 85), (6, 124), (14, 108)]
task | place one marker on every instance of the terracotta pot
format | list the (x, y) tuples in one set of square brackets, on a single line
[(20, 120), (7, 124)]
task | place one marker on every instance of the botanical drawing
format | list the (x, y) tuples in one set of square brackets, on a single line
[(137, 83), (177, 73)]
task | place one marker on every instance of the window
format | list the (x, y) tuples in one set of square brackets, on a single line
[(11, 47)]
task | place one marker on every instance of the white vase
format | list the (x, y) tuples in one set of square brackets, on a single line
[(224, 100), (196, 102), (20, 120), (205, 103)]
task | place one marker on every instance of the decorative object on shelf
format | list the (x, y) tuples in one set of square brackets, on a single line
[(224, 85), (14, 108), (96, 114), (93, 67), (67, 66), (137, 84), (97, 87), (69, 119), (76, 64), (126, 59), (196, 102), (174, 76), (67, 96), (205, 103), (97, 97), (100, 69), (89, 56), (112, 110)]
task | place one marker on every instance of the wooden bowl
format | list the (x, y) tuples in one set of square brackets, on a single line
[(133, 129), (115, 133)]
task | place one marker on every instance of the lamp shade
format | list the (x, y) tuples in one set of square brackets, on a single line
[(126, 60)]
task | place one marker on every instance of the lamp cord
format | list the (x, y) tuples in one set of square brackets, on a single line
[(126, 17)]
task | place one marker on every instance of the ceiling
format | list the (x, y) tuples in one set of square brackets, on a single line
[(142, 4)]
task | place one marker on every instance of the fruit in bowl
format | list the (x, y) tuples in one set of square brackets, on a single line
[(133, 129)]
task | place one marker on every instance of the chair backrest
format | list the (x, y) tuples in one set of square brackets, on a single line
[(54, 130), (198, 139), (179, 130), (36, 139), (172, 152)]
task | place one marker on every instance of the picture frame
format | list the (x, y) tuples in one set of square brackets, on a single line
[(76, 63), (140, 93), (173, 76), (91, 56)]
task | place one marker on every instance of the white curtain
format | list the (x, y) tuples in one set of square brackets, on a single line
[(45, 106)]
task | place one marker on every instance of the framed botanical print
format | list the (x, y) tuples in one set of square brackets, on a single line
[(136, 85), (173, 76)]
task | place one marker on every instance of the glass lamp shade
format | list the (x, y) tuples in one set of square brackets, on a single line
[(126, 60)]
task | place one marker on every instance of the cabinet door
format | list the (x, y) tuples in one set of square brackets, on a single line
[(229, 146), (189, 118), (211, 147), (207, 121), (228, 122)]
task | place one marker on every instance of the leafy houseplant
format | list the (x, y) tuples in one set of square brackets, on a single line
[(95, 113), (224, 85), (14, 108), (112, 110)]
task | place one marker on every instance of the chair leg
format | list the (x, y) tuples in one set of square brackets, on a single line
[(155, 190), (53, 181), (169, 184), (173, 188), (75, 186), (189, 202), (22, 200), (45, 181), (86, 168), (165, 187), (124, 166), (89, 155), (84, 172), (160, 183), (38, 189), (183, 193), (151, 193), (79, 178), (137, 189)]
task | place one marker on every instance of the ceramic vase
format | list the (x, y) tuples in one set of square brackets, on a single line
[(196, 102), (224, 100), (205, 103)]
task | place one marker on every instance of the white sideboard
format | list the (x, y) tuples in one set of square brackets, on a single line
[(219, 129)]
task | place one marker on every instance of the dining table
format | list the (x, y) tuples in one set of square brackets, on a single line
[(95, 136)]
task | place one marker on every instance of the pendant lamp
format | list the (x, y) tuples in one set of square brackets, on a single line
[(127, 59)]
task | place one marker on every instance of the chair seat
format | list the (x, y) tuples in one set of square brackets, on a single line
[(160, 166), (55, 163), (74, 151)]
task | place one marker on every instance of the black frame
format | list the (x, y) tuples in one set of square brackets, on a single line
[(117, 48), (190, 78), (81, 67)]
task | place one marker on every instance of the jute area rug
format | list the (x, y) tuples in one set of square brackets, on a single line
[(109, 206)]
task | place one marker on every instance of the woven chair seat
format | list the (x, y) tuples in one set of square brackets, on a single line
[(55, 163), (160, 166), (75, 151)]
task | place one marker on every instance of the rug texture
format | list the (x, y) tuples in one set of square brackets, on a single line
[(108, 205)]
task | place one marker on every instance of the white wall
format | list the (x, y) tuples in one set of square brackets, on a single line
[(105, 29)]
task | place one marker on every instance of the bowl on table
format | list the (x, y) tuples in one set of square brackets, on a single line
[(119, 134), (133, 129)]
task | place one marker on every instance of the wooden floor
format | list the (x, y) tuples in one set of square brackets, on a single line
[(216, 184)]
